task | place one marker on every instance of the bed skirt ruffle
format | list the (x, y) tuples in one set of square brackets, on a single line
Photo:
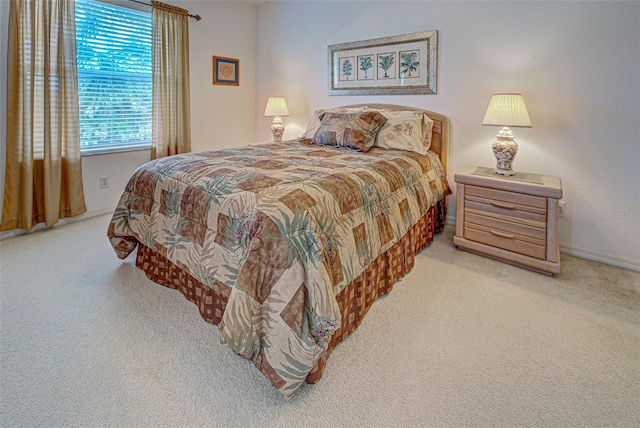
[(354, 300)]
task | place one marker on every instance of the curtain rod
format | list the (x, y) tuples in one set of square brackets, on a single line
[(196, 17)]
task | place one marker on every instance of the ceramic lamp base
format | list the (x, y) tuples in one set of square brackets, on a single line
[(505, 149), (277, 128)]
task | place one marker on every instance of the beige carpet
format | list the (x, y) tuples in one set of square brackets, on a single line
[(86, 340)]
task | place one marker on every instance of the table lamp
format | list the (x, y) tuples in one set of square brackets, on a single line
[(277, 107), (506, 110)]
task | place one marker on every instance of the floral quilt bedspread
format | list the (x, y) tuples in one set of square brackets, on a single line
[(279, 228)]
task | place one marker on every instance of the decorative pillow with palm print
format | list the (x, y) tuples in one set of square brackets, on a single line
[(405, 130), (314, 123), (355, 131)]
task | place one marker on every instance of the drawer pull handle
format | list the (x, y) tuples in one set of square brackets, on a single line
[(503, 205), (501, 234)]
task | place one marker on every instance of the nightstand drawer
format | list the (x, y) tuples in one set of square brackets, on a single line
[(509, 206), (510, 198), (517, 243), (472, 218)]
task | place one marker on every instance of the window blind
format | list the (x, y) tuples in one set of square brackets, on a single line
[(113, 46)]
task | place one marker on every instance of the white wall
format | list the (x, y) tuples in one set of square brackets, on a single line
[(220, 116), (577, 64)]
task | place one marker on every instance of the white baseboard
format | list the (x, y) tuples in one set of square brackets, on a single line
[(39, 227), (599, 257), (585, 254)]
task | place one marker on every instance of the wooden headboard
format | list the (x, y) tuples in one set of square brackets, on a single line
[(440, 136)]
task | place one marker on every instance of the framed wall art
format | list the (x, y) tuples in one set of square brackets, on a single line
[(398, 65), (226, 71)]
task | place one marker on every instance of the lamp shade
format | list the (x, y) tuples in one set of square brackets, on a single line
[(276, 106), (507, 110)]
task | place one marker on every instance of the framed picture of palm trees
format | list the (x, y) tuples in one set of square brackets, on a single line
[(347, 71), (365, 67), (406, 64)]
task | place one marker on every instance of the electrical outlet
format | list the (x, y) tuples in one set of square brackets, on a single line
[(104, 182), (563, 209)]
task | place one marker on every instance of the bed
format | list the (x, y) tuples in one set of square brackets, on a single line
[(285, 246)]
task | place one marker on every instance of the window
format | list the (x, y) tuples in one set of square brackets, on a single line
[(113, 46)]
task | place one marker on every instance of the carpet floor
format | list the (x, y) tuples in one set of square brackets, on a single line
[(87, 340)]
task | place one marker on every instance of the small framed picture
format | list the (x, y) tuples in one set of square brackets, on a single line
[(410, 64), (365, 67), (347, 70), (387, 65), (226, 71)]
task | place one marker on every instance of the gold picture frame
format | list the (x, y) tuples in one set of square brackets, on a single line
[(226, 71)]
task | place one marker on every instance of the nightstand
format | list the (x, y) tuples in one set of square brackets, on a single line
[(509, 218)]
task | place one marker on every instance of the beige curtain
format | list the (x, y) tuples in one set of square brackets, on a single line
[(43, 181), (171, 113)]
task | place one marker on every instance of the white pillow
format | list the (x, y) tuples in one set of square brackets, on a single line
[(314, 123), (405, 130)]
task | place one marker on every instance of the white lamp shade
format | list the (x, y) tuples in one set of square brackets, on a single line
[(507, 110), (276, 106)]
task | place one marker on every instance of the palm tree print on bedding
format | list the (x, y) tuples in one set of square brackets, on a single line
[(283, 228)]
